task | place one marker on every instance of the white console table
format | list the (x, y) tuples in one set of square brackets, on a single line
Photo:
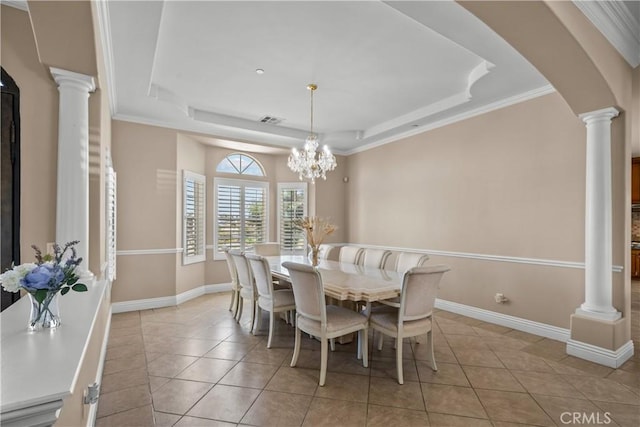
[(40, 369)]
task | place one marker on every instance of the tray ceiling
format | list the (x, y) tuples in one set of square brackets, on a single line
[(384, 70)]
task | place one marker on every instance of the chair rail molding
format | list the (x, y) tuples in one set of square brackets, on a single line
[(487, 257)]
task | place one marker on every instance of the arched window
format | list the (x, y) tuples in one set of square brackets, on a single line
[(240, 164), (241, 205)]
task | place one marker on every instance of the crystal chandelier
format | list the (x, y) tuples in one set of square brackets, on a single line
[(311, 163)]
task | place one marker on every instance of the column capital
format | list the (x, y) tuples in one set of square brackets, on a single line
[(603, 114), (66, 77)]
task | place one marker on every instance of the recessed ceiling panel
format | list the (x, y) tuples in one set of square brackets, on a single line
[(384, 70), (371, 63)]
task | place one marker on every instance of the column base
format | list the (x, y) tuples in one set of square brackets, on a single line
[(604, 342), (610, 316), (599, 355)]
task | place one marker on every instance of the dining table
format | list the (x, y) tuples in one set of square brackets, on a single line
[(345, 281)]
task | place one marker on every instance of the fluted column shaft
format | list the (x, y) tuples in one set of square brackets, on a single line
[(598, 224), (72, 208)]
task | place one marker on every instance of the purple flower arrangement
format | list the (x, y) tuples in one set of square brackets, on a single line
[(50, 274)]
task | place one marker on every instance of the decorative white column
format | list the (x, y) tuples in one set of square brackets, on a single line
[(72, 208), (598, 237)]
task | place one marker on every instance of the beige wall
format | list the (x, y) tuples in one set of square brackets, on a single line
[(149, 161), (65, 35), (507, 183), (330, 198), (144, 158), (191, 157), (38, 131)]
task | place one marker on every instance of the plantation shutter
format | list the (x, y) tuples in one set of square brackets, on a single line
[(111, 221), (229, 220), (194, 218), (254, 216), (292, 204), (241, 214)]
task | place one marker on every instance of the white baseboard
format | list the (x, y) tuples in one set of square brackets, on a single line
[(189, 295), (536, 328), (170, 301), (214, 289), (602, 356)]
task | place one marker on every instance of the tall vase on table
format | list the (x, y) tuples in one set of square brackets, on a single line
[(313, 255), (316, 230)]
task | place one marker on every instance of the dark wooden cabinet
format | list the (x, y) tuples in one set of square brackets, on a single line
[(635, 263), (635, 180)]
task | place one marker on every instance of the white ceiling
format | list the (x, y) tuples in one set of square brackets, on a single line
[(385, 70)]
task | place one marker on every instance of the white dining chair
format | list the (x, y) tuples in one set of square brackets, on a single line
[(414, 316), (247, 285), (325, 251), (274, 301), (374, 257), (404, 262), (323, 321), (235, 284), (267, 249), (350, 254), (407, 260)]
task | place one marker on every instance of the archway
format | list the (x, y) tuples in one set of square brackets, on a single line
[(596, 82)]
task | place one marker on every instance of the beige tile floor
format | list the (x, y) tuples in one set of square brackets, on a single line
[(192, 365)]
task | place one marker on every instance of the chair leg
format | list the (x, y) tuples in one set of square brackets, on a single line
[(233, 299), (258, 324), (324, 355), (296, 348), (365, 347), (253, 314), (333, 344), (430, 345), (380, 340), (240, 307), (236, 303), (399, 360), (271, 325)]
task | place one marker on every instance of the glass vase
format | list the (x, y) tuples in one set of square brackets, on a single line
[(313, 255), (45, 314)]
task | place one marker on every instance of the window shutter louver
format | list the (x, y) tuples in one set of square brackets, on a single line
[(292, 201), (241, 214), (111, 222), (194, 218)]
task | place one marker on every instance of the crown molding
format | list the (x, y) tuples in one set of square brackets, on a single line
[(544, 90), (104, 28), (616, 22)]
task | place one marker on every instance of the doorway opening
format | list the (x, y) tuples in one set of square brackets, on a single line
[(9, 181)]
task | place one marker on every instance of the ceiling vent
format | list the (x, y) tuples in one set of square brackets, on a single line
[(271, 120)]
